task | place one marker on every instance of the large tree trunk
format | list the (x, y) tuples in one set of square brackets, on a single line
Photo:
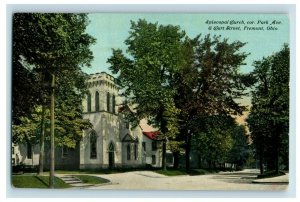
[(163, 127), (42, 142), (164, 148), (176, 159), (277, 161), (277, 150), (261, 165), (187, 152), (52, 155), (199, 161)]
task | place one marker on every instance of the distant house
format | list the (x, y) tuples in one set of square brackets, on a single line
[(110, 143)]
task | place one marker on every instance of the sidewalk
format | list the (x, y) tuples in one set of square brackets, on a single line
[(279, 179), (73, 181)]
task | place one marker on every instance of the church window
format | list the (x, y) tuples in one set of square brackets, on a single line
[(128, 152), (111, 147), (108, 102), (29, 151), (93, 146), (154, 146), (144, 146), (113, 103), (97, 101), (135, 151), (89, 103)]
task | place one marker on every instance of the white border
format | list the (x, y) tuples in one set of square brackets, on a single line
[(290, 9)]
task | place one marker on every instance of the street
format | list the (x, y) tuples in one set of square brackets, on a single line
[(148, 180)]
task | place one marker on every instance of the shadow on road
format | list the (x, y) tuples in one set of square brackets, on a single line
[(236, 177)]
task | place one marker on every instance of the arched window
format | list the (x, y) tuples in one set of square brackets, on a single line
[(89, 103), (113, 103), (108, 102), (97, 101), (93, 145), (135, 151), (128, 152), (111, 147), (111, 156)]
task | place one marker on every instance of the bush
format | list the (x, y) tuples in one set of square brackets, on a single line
[(24, 168), (198, 172)]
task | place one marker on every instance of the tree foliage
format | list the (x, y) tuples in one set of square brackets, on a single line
[(269, 117), (222, 140), (214, 141), (240, 151), (154, 55), (209, 84), (212, 81), (195, 78), (45, 45), (68, 130)]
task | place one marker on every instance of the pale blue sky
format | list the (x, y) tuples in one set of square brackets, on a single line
[(111, 29)]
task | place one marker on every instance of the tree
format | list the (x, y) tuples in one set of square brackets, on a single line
[(57, 50), (58, 45), (69, 123), (28, 128), (209, 83), (269, 116), (221, 141), (215, 141), (240, 150), (154, 55)]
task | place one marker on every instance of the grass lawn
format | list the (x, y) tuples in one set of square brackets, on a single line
[(91, 179), (171, 172), (175, 172), (97, 171), (34, 181)]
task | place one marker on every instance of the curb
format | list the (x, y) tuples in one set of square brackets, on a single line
[(268, 182)]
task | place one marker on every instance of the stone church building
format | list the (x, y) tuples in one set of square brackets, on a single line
[(110, 143)]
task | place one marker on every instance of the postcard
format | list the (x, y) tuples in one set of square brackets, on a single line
[(150, 101)]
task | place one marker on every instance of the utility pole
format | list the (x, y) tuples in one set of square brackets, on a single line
[(42, 141), (42, 137), (52, 154)]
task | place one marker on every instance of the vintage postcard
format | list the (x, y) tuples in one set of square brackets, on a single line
[(150, 101)]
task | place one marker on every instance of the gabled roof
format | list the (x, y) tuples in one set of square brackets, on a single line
[(129, 138), (151, 135)]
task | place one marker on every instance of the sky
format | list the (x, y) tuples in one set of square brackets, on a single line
[(112, 29)]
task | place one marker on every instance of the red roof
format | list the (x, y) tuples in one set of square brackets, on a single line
[(151, 135)]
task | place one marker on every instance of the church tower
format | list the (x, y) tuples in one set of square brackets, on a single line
[(100, 145), (111, 142)]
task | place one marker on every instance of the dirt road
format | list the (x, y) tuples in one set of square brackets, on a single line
[(145, 180)]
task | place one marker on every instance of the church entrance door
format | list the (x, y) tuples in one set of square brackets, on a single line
[(111, 156)]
